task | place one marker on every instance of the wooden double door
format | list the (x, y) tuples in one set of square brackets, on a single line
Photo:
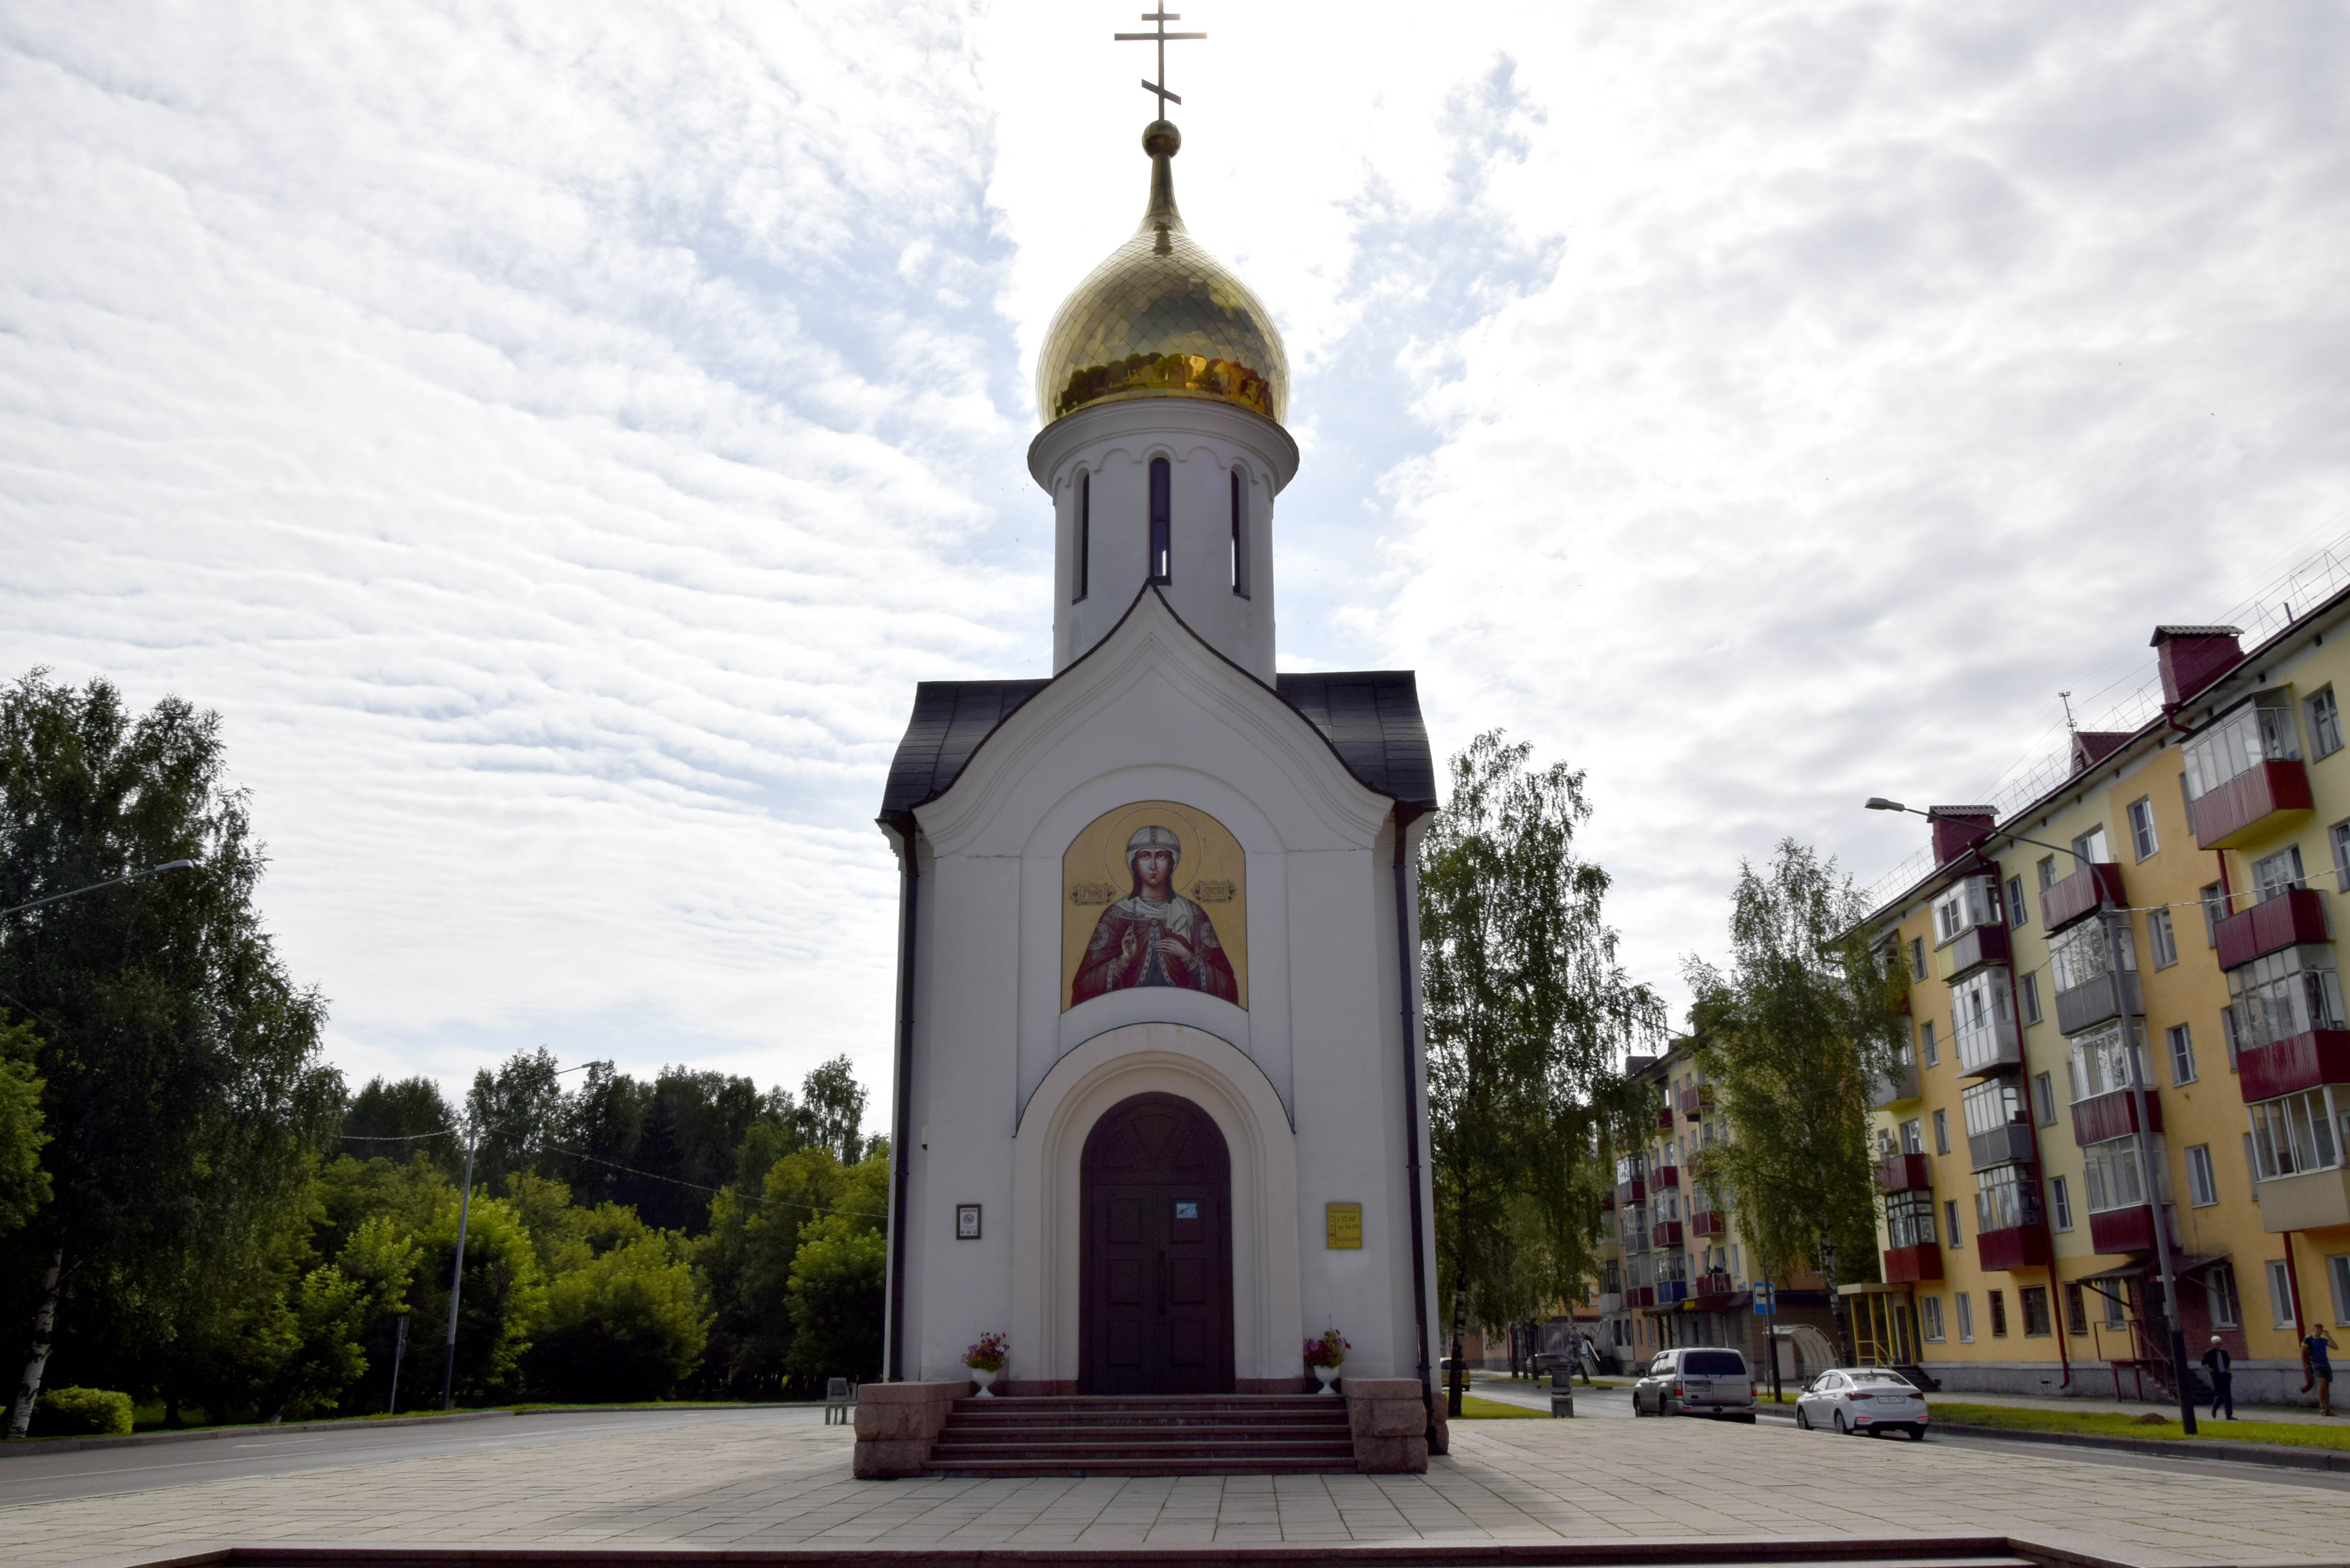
[(1156, 1309)]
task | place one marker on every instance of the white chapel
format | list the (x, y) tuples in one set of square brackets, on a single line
[(1161, 1106)]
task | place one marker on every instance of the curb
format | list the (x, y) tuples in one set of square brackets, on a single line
[(22, 1447), (2283, 1455)]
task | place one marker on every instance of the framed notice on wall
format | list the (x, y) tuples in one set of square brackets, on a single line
[(966, 1221), (1343, 1226)]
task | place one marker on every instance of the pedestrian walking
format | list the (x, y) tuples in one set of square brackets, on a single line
[(2316, 1357), (2223, 1379)]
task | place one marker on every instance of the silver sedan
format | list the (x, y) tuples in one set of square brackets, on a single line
[(1853, 1399)]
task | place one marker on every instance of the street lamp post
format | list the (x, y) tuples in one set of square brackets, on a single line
[(457, 1279), (2108, 912)]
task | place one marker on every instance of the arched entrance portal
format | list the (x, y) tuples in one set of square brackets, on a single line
[(1156, 1313)]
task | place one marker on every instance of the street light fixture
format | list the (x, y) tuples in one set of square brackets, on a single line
[(2106, 912), (94, 887)]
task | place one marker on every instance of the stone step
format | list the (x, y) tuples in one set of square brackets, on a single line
[(1235, 1403), (1203, 1467), (1010, 1420), (947, 1452), (1317, 1432)]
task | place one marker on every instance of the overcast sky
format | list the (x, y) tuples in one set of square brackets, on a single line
[(556, 436)]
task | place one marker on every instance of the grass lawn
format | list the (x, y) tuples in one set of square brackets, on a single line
[(2116, 1424), (1474, 1409)]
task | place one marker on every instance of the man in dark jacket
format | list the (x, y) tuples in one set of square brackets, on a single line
[(2223, 1380)]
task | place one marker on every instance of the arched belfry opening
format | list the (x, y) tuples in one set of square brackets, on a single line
[(1156, 1312)]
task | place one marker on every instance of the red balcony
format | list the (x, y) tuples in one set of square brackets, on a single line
[(2289, 1065), (1628, 1193), (1971, 950), (2067, 900), (2021, 1247), (2129, 1229), (2273, 926), (1698, 1102), (1905, 1173), (1640, 1296), (1908, 1265), (1607, 1201), (1714, 1286), (2248, 803), (1668, 1175), (1708, 1223), (2113, 1115), (1664, 1119), (1665, 1233)]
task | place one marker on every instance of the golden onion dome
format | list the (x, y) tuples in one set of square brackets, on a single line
[(1163, 319)]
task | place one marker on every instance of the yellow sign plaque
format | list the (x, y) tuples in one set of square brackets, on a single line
[(1344, 1223)]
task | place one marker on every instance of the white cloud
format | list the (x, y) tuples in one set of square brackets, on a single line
[(557, 438)]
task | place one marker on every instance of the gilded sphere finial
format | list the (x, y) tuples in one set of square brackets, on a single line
[(1161, 140)]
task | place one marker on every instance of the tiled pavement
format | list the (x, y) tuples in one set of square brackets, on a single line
[(786, 1482)]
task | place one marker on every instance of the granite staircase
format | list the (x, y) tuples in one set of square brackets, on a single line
[(1155, 1435)]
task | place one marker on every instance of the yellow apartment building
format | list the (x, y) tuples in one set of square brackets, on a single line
[(2203, 858)]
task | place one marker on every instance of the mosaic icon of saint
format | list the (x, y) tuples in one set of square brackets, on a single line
[(1154, 935)]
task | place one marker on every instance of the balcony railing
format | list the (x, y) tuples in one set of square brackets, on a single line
[(2112, 1114), (2271, 927), (1611, 1302), (1698, 1102), (2020, 1247), (2248, 803), (2130, 1230), (1636, 1241), (2086, 1006), (2073, 896), (1905, 1173), (1627, 1193), (1713, 1286), (1993, 1046), (1640, 1296), (1664, 1119), (1665, 1233), (1970, 951), (1708, 1222), (2298, 1061), (1670, 1292), (2314, 1201), (2008, 1145), (1669, 1176), (1903, 1085), (1908, 1265)]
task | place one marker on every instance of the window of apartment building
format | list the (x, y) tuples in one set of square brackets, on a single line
[(2034, 1299), (2202, 1184), (2215, 909), (2029, 989), (1950, 1219), (1929, 1314), (2337, 1270), (1942, 1132), (2182, 1054), (2281, 994), (2060, 1203), (2161, 938), (2016, 913), (2007, 1199), (1917, 957), (1928, 1052), (2109, 1295), (2091, 849), (1966, 1318), (1997, 1301), (2280, 1293), (1982, 1029), (2044, 1100), (2293, 1136), (2338, 838), (2083, 955), (2219, 1296), (2325, 724), (2274, 876), (2076, 1312), (1913, 1136), (2098, 1065), (2047, 869), (1910, 1220), (2110, 1174), (2143, 842)]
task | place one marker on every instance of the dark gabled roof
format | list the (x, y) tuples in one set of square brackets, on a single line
[(1370, 719)]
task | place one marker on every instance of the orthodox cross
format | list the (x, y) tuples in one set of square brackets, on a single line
[(1161, 37)]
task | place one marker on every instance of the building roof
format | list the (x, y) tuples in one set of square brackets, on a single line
[(1370, 718)]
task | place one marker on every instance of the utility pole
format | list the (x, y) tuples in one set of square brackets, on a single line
[(399, 1349), (2107, 916), (457, 1279)]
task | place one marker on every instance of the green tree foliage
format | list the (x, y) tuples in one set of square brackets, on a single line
[(182, 1086), (394, 1120), (625, 1325), (1527, 1015), (832, 1110), (499, 1306), (747, 1258), (836, 1299), (1794, 1037), (24, 1184)]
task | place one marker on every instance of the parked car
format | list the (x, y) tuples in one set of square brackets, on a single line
[(1696, 1383), (1848, 1399)]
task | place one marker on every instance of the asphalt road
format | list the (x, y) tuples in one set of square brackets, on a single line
[(90, 1472)]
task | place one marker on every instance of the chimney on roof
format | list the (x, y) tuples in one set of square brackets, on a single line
[(2193, 657), (1959, 828), (2091, 747)]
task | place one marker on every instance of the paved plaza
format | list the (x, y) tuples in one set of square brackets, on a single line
[(782, 1477)]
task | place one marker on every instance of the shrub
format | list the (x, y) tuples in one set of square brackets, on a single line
[(81, 1412), (627, 1326)]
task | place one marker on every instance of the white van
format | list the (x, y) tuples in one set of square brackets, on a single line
[(1695, 1382)]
